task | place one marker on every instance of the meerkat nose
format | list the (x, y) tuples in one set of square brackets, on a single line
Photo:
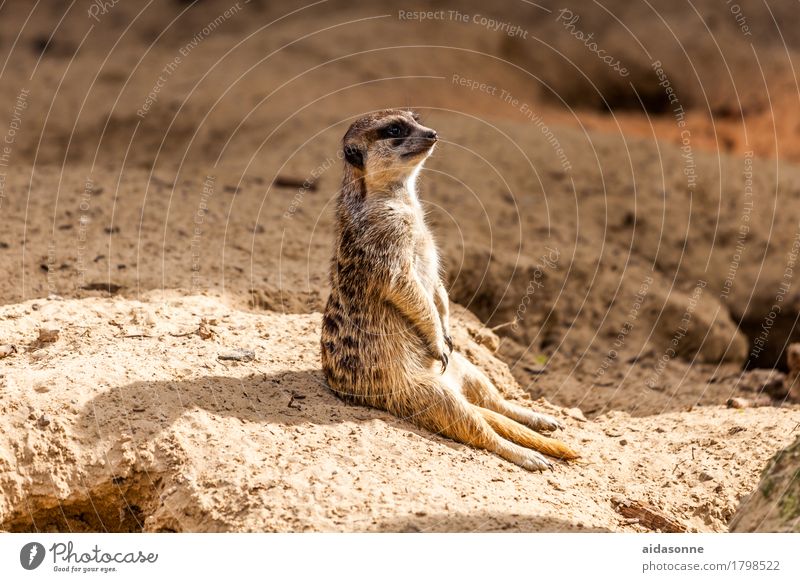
[(431, 134)]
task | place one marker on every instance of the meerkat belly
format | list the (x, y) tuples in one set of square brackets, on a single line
[(368, 351)]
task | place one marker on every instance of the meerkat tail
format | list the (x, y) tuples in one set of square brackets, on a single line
[(522, 435)]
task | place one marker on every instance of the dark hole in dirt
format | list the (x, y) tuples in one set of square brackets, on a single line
[(769, 337), (40, 44), (46, 47), (110, 509)]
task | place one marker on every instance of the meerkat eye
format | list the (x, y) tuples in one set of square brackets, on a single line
[(394, 130)]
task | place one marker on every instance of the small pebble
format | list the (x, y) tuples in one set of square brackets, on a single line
[(47, 336), (238, 355), (575, 413), (738, 403)]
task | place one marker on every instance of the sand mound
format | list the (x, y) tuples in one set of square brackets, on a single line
[(123, 415)]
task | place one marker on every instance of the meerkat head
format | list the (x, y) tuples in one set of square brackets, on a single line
[(388, 147)]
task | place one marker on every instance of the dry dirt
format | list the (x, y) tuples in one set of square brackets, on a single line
[(129, 420), (607, 243)]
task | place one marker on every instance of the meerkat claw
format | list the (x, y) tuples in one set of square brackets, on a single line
[(449, 341), (536, 462), (445, 360), (546, 422)]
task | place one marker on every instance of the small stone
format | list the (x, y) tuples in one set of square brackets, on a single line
[(47, 336), (238, 355), (575, 413), (738, 403), (6, 350), (43, 421), (535, 370), (623, 442), (204, 331), (704, 477)]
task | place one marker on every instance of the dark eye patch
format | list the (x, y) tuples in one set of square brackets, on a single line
[(393, 130)]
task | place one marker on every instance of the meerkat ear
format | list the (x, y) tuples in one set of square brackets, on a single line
[(354, 156)]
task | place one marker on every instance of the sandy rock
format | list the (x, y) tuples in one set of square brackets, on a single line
[(153, 433), (575, 413), (775, 505)]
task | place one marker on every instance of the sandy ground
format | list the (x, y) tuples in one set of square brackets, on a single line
[(129, 420), (611, 238)]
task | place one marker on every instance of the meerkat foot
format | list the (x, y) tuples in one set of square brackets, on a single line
[(522, 435), (525, 458), (535, 420), (479, 390), (538, 421), (536, 462)]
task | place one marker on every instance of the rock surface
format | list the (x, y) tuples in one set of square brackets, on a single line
[(775, 505), (149, 430)]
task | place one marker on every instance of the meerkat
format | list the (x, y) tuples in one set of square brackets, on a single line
[(385, 331)]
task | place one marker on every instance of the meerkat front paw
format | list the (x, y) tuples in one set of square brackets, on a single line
[(438, 352), (449, 342)]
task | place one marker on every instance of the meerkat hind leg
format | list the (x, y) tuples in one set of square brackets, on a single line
[(479, 390), (437, 406), (526, 437)]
